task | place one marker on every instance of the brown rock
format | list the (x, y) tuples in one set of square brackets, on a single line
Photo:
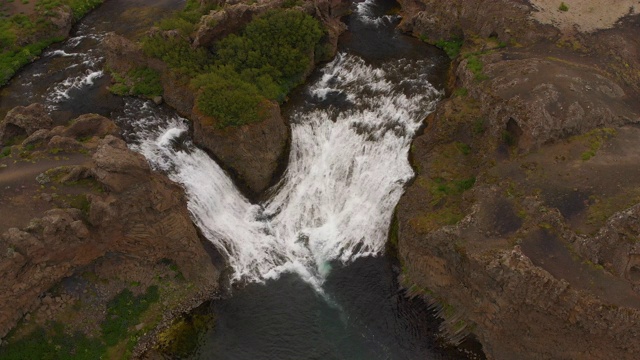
[(249, 151), (141, 215), (122, 54), (39, 136), (24, 121), (89, 125), (64, 143), (116, 166)]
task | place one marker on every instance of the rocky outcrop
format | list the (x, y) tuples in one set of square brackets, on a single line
[(539, 257), (229, 20), (508, 21), (251, 153), (546, 98), (24, 121), (132, 213)]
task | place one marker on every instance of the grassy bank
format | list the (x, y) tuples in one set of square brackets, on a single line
[(27, 28)]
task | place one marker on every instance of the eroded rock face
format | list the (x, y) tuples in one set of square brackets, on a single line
[(24, 121), (138, 214), (505, 20), (548, 99), (539, 257), (250, 151)]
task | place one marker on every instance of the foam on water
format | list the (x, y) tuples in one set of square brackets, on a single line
[(366, 14), (61, 91), (346, 172)]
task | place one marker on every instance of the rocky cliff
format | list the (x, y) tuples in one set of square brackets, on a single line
[(104, 223), (521, 224), (251, 153)]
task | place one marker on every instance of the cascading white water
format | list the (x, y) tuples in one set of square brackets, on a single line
[(346, 172)]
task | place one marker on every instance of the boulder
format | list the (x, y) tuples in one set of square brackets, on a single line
[(117, 167), (89, 125), (63, 143), (24, 121), (251, 152)]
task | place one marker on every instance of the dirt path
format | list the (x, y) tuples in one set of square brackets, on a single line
[(585, 15), (21, 196)]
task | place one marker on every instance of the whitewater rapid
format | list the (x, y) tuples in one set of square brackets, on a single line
[(346, 171)]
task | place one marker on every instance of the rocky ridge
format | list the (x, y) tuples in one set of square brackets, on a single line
[(521, 224), (114, 223)]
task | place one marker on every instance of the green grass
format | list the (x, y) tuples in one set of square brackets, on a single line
[(52, 344), (479, 126), (595, 138), (6, 151), (451, 47), (11, 61), (476, 66), (24, 37), (461, 92)]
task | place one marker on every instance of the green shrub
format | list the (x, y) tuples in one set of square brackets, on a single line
[(146, 82), (563, 7), (230, 100), (235, 83), (178, 54), (264, 63), (277, 44)]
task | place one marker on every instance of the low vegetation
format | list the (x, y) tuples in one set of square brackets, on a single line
[(563, 7), (182, 338), (244, 72), (476, 66), (24, 36), (142, 81), (123, 313)]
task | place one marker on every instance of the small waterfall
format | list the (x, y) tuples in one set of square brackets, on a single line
[(347, 168)]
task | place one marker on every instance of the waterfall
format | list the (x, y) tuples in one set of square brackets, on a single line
[(347, 168)]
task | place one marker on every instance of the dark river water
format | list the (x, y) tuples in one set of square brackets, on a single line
[(362, 314)]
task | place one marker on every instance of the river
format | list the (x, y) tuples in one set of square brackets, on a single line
[(310, 277)]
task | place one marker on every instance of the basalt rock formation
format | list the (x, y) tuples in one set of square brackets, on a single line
[(521, 225), (106, 222)]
